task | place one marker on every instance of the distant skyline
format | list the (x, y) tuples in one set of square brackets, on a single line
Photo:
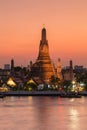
[(21, 22)]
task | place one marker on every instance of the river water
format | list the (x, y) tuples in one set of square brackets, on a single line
[(43, 113)]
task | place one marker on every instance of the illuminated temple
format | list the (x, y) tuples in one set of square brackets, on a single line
[(43, 67)]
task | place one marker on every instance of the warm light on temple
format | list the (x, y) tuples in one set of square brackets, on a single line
[(11, 83)]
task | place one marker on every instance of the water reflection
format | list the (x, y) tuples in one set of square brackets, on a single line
[(43, 113), (74, 119)]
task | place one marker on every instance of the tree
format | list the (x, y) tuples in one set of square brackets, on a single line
[(55, 81), (66, 84)]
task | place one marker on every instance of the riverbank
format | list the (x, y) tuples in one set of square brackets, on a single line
[(31, 93), (36, 93)]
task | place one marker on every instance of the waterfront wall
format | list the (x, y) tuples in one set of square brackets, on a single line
[(36, 93), (31, 93)]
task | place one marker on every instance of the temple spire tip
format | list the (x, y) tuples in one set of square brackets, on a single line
[(44, 34)]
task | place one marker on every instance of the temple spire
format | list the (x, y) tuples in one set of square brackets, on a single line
[(43, 34), (43, 67)]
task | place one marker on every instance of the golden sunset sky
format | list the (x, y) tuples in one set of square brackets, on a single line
[(21, 22)]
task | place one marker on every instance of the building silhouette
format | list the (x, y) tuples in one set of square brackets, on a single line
[(68, 73), (71, 70), (12, 64)]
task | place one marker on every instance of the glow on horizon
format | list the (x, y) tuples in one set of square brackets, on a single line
[(21, 22)]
